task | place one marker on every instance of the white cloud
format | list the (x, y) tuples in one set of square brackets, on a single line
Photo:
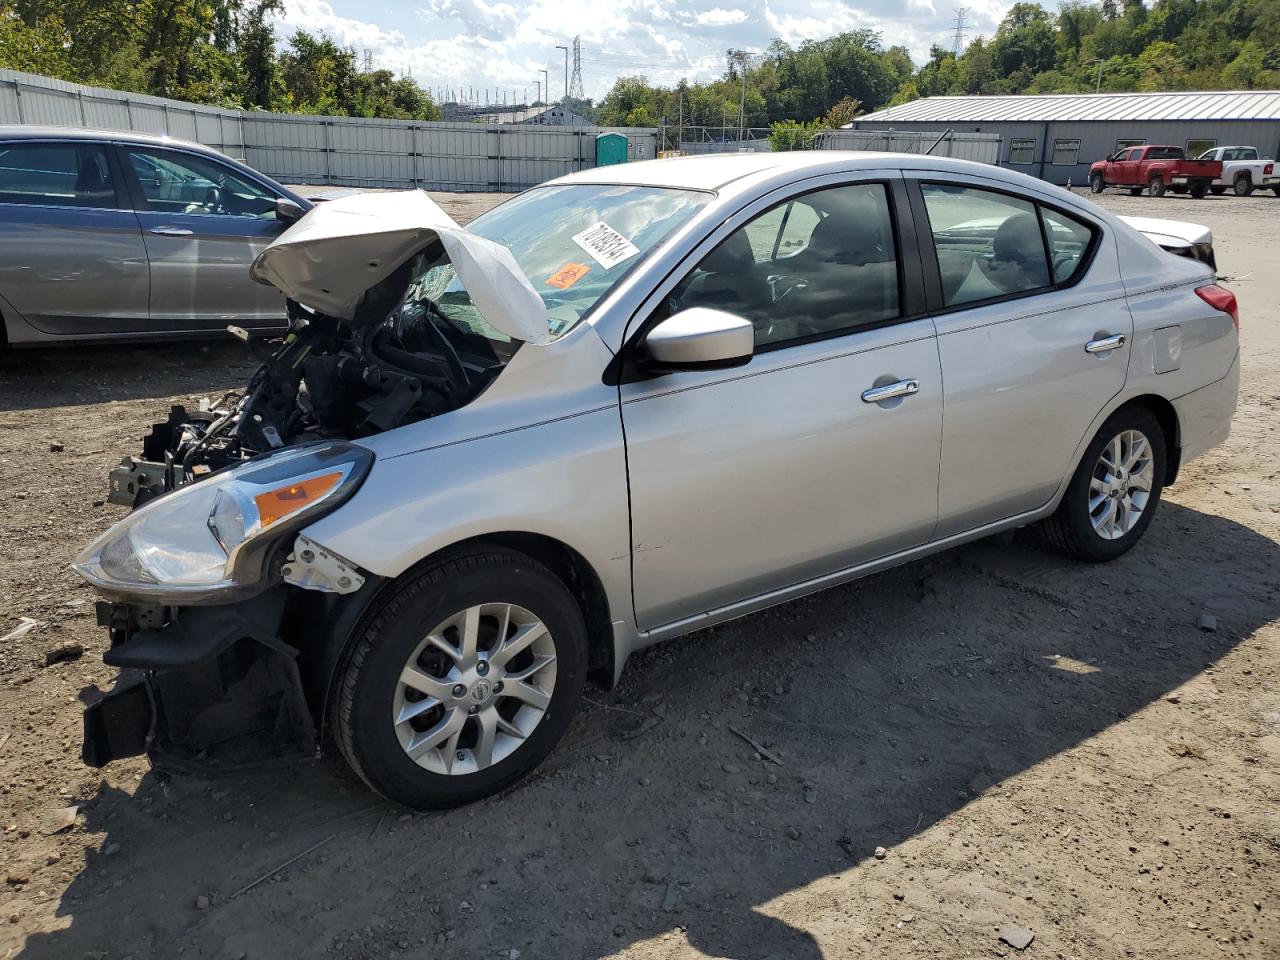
[(505, 44), (720, 17)]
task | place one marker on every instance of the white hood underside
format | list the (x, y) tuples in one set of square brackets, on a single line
[(1170, 233), (341, 248)]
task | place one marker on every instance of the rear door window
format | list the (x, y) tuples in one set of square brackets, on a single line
[(56, 174), (820, 264), (989, 244)]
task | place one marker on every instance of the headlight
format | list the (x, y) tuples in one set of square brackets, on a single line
[(207, 542)]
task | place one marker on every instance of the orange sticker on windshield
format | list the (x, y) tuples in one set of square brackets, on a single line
[(568, 275)]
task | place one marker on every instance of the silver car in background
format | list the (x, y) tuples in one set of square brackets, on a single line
[(107, 235), (624, 406)]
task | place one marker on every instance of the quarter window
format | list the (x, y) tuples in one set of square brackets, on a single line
[(1022, 151), (1069, 241), (989, 244), (1066, 152), (56, 174), (182, 183), (820, 264)]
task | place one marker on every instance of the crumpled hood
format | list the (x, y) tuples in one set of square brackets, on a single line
[(341, 248)]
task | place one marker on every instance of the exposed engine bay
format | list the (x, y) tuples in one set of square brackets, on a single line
[(415, 348)]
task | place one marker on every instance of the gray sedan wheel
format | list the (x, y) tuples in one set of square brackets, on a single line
[(463, 680), (1113, 495)]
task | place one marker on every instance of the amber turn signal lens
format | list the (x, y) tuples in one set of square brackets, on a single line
[(279, 503)]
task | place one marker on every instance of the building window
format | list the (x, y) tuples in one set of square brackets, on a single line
[(1197, 147), (1022, 151), (1125, 144), (1066, 153)]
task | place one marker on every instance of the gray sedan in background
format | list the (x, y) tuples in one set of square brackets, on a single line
[(106, 234)]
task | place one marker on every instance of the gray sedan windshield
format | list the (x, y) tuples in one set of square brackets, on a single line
[(574, 243)]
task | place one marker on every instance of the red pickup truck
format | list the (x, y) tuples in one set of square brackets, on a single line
[(1154, 169)]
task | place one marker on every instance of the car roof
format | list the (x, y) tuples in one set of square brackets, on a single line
[(717, 171), (26, 131)]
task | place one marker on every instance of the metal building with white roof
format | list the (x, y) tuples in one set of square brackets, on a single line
[(1057, 136)]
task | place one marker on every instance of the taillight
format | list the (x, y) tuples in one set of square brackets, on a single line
[(1266, 171), (1220, 298)]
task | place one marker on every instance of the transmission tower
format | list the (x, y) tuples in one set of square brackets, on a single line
[(366, 65), (957, 44), (575, 81)]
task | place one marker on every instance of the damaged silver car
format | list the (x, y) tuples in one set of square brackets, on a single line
[(486, 465)]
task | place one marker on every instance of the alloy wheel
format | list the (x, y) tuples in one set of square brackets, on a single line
[(474, 689), (1121, 484)]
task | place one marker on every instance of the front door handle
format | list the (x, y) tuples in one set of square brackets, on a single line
[(1105, 344), (171, 231), (903, 388)]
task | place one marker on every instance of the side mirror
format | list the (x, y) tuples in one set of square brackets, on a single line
[(287, 211), (699, 339)]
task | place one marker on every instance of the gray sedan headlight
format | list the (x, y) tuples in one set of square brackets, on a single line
[(208, 542)]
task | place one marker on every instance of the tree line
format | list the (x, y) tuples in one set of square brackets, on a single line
[(1131, 45), (220, 52)]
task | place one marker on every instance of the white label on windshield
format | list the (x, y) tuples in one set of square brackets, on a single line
[(605, 245)]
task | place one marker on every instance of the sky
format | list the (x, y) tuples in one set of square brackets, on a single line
[(502, 45)]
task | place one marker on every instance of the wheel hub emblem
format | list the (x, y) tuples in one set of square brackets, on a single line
[(480, 690)]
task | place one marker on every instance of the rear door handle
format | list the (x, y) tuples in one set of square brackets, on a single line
[(171, 231), (1105, 344), (903, 388)]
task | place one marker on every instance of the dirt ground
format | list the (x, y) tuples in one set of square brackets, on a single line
[(1031, 741)]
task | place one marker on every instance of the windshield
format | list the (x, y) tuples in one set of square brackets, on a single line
[(573, 242)]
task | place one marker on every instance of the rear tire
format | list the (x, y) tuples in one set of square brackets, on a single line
[(1097, 493), (455, 695), (1155, 187), (1276, 190), (1097, 183), (1217, 191), (1242, 185)]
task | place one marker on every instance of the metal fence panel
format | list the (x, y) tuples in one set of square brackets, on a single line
[(346, 151)]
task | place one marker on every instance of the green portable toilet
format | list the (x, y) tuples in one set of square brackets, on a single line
[(611, 148)]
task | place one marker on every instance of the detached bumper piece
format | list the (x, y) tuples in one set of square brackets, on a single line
[(212, 690)]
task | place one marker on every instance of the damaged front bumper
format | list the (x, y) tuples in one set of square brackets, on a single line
[(210, 688)]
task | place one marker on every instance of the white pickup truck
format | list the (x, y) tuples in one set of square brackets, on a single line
[(1243, 171)]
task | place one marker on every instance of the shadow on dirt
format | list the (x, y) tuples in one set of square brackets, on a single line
[(41, 378), (891, 702)]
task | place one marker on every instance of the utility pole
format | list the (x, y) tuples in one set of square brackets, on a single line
[(565, 101), (680, 112), (742, 100), (1101, 64), (538, 86), (546, 88)]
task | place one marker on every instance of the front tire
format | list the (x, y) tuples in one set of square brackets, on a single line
[(1115, 490), (1198, 189), (1135, 191), (1097, 183), (1217, 191), (464, 679), (1155, 187)]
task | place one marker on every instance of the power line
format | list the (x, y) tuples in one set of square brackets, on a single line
[(575, 83), (957, 45)]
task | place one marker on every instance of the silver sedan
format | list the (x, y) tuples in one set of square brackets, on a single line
[(490, 464)]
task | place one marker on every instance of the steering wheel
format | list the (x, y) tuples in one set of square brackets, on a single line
[(782, 284), (213, 200)]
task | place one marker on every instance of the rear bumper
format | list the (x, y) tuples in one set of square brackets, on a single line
[(1204, 415)]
